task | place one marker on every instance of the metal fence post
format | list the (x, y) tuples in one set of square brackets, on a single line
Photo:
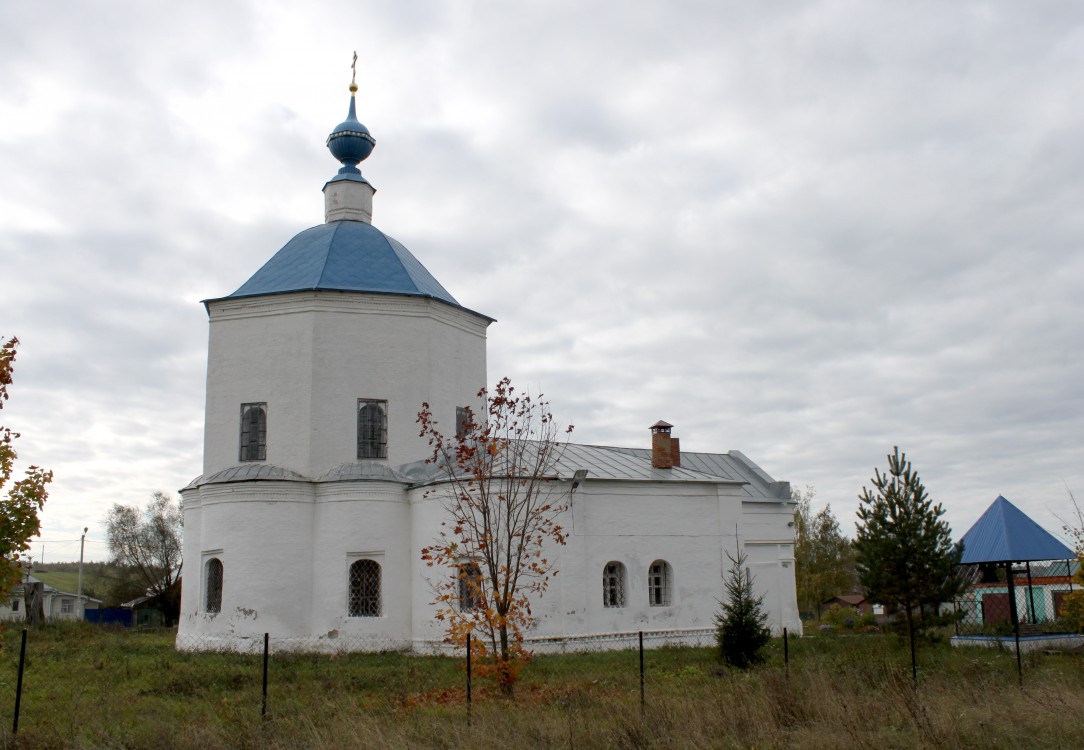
[(786, 654), (19, 686), (266, 649), (642, 701), (469, 639)]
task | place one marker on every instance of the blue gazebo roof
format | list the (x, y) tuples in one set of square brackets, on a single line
[(1004, 533)]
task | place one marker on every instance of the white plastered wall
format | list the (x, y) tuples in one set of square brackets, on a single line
[(691, 526), (769, 549), (311, 355), (262, 532), (353, 521)]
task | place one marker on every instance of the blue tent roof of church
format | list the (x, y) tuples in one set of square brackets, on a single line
[(1004, 533), (344, 256)]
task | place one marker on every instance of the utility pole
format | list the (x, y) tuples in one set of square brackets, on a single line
[(79, 595)]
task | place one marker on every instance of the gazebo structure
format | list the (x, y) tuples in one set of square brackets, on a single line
[(1019, 574)]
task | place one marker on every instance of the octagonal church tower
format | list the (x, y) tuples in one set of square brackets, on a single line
[(317, 367)]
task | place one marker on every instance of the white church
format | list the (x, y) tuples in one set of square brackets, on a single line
[(315, 502)]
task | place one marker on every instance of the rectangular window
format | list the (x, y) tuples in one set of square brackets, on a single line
[(470, 586), (14, 605), (463, 417), (67, 606), (372, 428), (254, 432)]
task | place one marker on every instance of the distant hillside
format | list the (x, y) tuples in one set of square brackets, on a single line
[(112, 584)]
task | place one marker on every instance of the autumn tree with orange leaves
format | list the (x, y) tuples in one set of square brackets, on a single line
[(20, 505), (502, 496)]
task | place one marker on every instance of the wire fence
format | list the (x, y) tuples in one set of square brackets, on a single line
[(1005, 600), (74, 682), (52, 682)]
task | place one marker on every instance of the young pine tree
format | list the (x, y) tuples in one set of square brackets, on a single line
[(905, 554), (741, 630)]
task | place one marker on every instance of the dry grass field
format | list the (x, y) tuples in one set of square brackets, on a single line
[(92, 688)]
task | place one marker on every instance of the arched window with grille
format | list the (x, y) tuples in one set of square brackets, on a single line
[(372, 428), (364, 600), (659, 584), (254, 432), (470, 586), (613, 585), (212, 601)]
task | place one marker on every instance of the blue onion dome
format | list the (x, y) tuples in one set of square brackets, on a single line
[(350, 141)]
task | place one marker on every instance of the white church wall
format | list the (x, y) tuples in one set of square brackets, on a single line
[(355, 521), (405, 351), (258, 352), (262, 533), (768, 535), (312, 355), (191, 584), (426, 516), (688, 525), (635, 524), (773, 577)]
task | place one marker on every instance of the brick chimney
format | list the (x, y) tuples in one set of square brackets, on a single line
[(662, 449), (675, 452)]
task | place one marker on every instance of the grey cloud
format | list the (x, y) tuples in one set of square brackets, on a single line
[(808, 231)]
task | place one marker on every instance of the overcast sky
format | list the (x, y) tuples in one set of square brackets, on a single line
[(808, 231)]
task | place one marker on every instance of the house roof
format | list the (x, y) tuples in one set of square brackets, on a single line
[(853, 599), (1004, 533), (344, 256)]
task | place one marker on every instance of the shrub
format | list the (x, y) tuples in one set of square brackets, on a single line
[(840, 617)]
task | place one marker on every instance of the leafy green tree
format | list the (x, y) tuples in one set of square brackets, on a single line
[(905, 554), (741, 624), (149, 543), (823, 556), (1072, 608), (19, 507)]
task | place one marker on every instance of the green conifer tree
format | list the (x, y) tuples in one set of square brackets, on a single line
[(741, 629), (905, 554)]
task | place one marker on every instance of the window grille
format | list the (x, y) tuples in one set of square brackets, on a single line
[(372, 428), (613, 585), (254, 432), (470, 587), (365, 589), (464, 415), (213, 598), (658, 584), (66, 606)]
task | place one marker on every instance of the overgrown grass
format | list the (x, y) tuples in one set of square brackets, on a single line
[(87, 687)]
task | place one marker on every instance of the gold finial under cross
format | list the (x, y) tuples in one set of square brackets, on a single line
[(354, 73)]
